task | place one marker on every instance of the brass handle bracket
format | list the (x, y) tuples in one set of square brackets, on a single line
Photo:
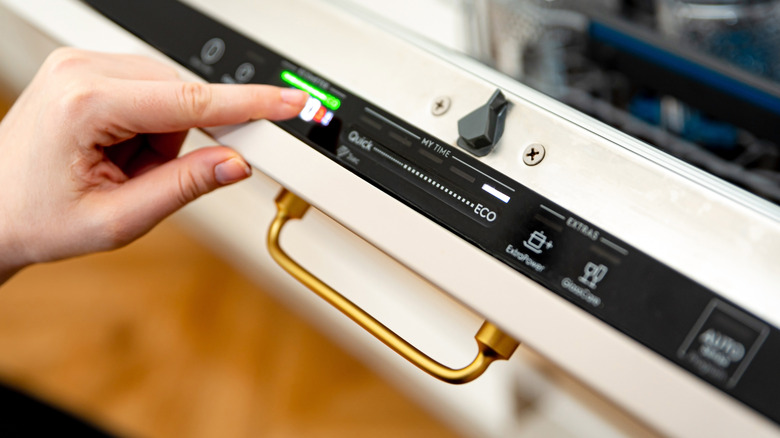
[(493, 344)]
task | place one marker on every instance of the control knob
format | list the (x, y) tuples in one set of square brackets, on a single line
[(480, 130)]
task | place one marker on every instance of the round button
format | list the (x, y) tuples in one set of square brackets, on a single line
[(212, 51), (245, 72)]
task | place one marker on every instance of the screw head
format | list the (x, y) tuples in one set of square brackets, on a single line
[(533, 154), (440, 105)]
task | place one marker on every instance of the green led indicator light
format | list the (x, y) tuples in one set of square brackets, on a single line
[(330, 101)]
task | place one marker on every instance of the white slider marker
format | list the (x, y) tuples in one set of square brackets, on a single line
[(493, 191)]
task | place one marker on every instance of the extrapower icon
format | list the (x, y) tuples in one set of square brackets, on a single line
[(537, 242)]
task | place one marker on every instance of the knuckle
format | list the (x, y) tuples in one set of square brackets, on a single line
[(194, 99), (190, 186), (65, 59), (68, 86), (78, 98)]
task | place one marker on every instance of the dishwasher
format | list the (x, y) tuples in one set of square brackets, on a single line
[(525, 209)]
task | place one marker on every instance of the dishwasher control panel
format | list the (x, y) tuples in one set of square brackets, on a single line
[(642, 297)]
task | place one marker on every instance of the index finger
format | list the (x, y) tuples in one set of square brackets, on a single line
[(170, 106)]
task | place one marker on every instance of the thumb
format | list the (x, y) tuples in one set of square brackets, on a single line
[(201, 172), (147, 199)]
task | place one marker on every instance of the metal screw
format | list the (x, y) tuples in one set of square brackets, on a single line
[(533, 154), (440, 105)]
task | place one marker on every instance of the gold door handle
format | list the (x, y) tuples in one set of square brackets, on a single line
[(493, 344)]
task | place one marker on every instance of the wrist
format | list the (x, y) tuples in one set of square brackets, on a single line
[(8, 267), (11, 254)]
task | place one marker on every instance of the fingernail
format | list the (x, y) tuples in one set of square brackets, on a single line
[(232, 170), (294, 96)]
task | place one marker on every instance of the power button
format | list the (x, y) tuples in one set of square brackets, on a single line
[(212, 51)]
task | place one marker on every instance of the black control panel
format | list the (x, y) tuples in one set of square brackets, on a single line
[(667, 312)]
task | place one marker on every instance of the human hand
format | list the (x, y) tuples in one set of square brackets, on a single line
[(88, 152)]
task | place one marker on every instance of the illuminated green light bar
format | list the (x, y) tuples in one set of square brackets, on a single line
[(330, 101)]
